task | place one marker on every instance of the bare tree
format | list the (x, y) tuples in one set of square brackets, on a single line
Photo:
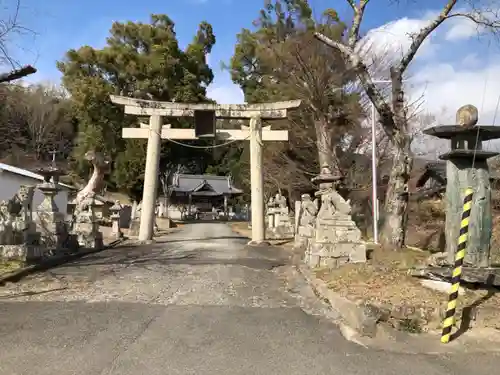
[(48, 123), (393, 114), (11, 28)]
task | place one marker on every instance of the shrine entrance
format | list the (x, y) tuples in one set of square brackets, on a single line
[(205, 115)]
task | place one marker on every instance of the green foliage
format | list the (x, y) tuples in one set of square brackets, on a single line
[(140, 60), (281, 60)]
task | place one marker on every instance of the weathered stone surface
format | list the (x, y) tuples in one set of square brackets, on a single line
[(279, 223), (337, 239), (461, 176), (18, 237), (305, 217)]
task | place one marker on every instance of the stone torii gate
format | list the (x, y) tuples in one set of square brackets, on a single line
[(155, 131)]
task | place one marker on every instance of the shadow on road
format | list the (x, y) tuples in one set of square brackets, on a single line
[(29, 293), (242, 239), (262, 258)]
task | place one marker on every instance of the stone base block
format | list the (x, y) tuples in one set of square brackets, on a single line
[(334, 255), (23, 253), (91, 240), (280, 232), (134, 227)]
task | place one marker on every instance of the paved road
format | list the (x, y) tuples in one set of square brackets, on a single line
[(200, 302)]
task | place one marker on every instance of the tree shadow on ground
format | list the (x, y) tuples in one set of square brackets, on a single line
[(168, 241), (30, 293), (151, 255)]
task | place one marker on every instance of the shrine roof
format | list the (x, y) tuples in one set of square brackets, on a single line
[(205, 184)]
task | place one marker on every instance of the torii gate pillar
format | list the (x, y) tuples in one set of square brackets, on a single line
[(146, 227), (257, 181)]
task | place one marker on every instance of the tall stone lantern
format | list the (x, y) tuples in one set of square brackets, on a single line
[(50, 219), (466, 166)]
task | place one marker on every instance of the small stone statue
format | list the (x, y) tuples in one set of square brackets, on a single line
[(271, 202), (280, 201), (308, 211), (332, 203)]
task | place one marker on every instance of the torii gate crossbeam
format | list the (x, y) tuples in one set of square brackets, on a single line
[(155, 132)]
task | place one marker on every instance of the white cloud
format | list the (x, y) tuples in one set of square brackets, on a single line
[(471, 60), (386, 44), (226, 94), (461, 28), (447, 72), (447, 86)]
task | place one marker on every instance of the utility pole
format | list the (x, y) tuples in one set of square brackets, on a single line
[(375, 208)]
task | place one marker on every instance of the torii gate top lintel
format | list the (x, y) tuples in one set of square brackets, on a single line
[(172, 109)]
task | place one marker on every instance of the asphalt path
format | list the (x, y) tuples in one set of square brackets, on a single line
[(197, 302)]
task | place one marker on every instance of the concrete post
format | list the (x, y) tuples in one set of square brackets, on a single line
[(225, 206), (151, 174), (257, 180)]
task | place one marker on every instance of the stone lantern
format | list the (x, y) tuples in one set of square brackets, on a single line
[(49, 219), (467, 167)]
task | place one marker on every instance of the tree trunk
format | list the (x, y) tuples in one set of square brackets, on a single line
[(396, 199), (325, 147)]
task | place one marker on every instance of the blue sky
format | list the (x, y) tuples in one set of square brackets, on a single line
[(66, 24)]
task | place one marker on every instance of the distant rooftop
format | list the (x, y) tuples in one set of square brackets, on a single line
[(27, 173), (203, 185)]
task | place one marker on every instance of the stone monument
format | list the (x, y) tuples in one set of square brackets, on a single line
[(19, 239), (337, 239), (280, 225), (87, 226), (466, 166), (305, 219)]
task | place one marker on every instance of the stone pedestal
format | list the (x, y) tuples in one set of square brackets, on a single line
[(115, 220), (337, 240)]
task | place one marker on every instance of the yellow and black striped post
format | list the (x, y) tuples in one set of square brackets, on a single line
[(449, 319)]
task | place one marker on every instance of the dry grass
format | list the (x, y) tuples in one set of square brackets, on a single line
[(384, 281)]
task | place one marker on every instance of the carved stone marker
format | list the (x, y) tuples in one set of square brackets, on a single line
[(337, 239), (466, 166)]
